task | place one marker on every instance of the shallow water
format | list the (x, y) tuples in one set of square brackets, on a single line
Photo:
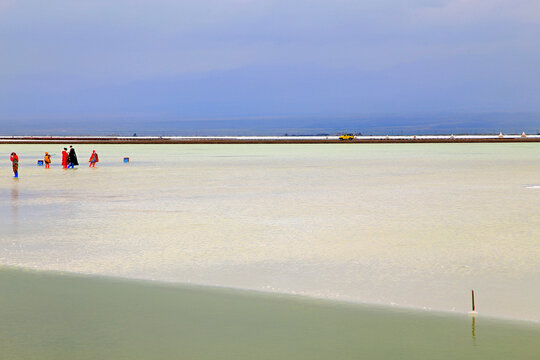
[(47, 316), (412, 225)]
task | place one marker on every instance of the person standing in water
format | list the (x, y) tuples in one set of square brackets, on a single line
[(72, 158), (15, 161), (93, 159), (47, 160), (64, 158)]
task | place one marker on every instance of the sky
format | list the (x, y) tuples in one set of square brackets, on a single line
[(123, 62)]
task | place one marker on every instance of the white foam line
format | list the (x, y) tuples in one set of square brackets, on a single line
[(331, 137)]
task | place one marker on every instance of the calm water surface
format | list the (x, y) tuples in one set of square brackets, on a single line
[(53, 317), (397, 224)]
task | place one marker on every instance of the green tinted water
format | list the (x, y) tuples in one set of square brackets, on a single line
[(47, 316)]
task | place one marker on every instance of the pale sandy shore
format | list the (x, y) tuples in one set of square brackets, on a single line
[(58, 316), (267, 139)]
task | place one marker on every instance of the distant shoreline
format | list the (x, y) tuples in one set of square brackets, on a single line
[(409, 139)]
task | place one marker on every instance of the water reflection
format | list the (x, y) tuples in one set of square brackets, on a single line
[(474, 330), (15, 204)]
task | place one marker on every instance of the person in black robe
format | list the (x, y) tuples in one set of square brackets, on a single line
[(72, 158)]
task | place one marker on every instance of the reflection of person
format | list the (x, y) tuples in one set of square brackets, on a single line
[(93, 159), (72, 158), (15, 161), (64, 158), (47, 160)]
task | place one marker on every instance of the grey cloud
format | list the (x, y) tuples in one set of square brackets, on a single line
[(467, 55)]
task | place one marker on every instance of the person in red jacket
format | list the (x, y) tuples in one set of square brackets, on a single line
[(93, 159), (15, 161), (64, 158)]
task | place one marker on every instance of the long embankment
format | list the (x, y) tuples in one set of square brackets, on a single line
[(412, 139)]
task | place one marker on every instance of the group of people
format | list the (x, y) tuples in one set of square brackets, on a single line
[(69, 160)]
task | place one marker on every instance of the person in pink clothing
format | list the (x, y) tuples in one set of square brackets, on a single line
[(93, 159)]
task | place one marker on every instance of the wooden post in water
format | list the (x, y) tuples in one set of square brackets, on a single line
[(473, 312)]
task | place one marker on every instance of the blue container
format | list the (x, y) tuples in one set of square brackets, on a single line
[(126, 159), (40, 162)]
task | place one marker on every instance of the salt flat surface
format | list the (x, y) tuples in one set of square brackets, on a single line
[(409, 225)]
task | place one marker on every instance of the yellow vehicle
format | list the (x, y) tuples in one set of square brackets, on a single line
[(346, 137)]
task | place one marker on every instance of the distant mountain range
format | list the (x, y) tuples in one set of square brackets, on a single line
[(366, 124)]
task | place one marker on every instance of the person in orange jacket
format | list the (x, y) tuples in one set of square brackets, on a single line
[(93, 159), (64, 158), (15, 161), (47, 160)]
